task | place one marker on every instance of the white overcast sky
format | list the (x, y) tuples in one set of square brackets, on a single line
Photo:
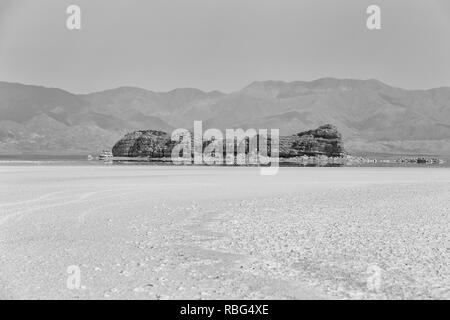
[(222, 44)]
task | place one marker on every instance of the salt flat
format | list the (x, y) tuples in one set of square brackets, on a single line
[(204, 233)]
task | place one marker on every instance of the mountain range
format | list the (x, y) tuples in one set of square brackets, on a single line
[(372, 116)]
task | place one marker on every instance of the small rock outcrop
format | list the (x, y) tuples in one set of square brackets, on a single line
[(146, 143), (323, 141)]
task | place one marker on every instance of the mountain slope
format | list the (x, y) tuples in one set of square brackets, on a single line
[(45, 120), (371, 115)]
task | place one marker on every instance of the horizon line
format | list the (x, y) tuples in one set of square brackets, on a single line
[(216, 90)]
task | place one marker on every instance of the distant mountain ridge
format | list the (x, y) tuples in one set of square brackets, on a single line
[(372, 116)]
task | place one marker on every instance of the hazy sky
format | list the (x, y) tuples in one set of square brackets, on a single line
[(222, 44)]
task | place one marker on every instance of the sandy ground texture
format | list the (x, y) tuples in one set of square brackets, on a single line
[(206, 233)]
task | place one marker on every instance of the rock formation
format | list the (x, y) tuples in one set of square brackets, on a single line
[(325, 140), (146, 143)]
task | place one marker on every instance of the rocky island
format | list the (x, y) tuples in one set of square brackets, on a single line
[(325, 141), (144, 143)]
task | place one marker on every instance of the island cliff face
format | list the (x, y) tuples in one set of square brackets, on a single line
[(146, 143), (323, 141)]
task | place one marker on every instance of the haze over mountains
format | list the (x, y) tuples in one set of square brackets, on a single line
[(372, 116)]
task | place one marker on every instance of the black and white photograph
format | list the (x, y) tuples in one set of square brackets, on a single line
[(205, 151)]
